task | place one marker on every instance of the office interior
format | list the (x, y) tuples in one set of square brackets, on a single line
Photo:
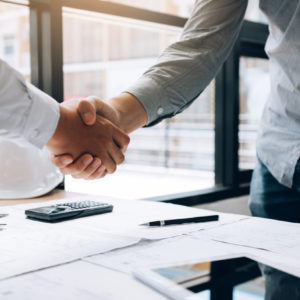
[(184, 160)]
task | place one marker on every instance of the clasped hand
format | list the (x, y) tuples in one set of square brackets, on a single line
[(84, 144)]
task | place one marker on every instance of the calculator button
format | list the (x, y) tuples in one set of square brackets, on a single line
[(82, 204)]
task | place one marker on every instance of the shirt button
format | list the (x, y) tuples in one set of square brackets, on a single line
[(160, 111), (35, 133)]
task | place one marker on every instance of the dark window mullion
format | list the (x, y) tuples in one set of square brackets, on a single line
[(47, 46), (226, 127)]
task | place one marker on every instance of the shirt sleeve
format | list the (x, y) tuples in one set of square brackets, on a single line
[(25, 111), (186, 67)]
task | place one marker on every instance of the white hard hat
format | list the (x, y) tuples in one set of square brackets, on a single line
[(25, 171)]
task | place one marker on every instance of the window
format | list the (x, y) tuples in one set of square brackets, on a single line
[(203, 154), (253, 13), (14, 37), (9, 45), (254, 91), (176, 155)]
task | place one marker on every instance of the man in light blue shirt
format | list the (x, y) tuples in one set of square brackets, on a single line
[(183, 71)]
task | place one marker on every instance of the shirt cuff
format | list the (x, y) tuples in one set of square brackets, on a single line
[(42, 119), (156, 99)]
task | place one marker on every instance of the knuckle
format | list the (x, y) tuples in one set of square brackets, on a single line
[(57, 161), (112, 169), (126, 140), (96, 175), (121, 159), (64, 171), (106, 141), (80, 166)]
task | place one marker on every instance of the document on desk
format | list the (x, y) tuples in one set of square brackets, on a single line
[(128, 215), (76, 281), (28, 245), (276, 236), (176, 250), (281, 262)]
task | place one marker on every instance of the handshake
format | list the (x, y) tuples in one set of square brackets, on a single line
[(89, 140)]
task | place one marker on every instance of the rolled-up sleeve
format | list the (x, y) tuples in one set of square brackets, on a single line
[(186, 67), (25, 111)]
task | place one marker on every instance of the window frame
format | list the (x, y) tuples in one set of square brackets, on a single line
[(46, 49)]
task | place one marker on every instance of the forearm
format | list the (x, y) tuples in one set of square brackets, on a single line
[(131, 114), (26, 112), (187, 66), (58, 138)]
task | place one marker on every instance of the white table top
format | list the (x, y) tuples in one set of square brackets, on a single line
[(107, 275)]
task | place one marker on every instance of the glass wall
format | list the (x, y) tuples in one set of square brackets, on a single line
[(103, 55), (105, 61), (254, 92), (14, 37), (253, 12)]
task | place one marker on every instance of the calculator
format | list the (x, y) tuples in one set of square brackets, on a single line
[(71, 210)]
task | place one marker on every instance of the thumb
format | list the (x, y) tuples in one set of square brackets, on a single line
[(87, 112), (103, 109)]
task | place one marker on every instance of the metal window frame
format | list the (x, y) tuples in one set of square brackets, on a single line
[(46, 39)]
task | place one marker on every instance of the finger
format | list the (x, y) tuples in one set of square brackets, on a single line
[(108, 163), (103, 109), (79, 165), (87, 111), (121, 139), (115, 153), (61, 161), (92, 168), (100, 173)]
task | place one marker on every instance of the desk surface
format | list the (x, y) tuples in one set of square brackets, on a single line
[(74, 280), (54, 195), (94, 277)]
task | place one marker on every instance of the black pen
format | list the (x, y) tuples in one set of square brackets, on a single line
[(183, 221)]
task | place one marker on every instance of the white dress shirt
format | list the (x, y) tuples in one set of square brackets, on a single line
[(25, 111), (28, 118)]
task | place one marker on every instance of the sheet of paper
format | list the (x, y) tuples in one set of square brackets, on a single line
[(176, 250), (128, 215), (28, 245), (187, 249), (281, 262), (77, 281), (276, 236)]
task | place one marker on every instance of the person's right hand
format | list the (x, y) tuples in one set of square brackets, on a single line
[(92, 106), (125, 111), (87, 166), (100, 140)]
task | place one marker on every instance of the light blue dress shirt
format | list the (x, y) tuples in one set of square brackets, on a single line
[(186, 67)]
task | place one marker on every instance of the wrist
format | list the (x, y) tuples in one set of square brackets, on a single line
[(130, 113), (58, 135)]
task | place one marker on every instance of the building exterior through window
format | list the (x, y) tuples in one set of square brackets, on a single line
[(103, 55)]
